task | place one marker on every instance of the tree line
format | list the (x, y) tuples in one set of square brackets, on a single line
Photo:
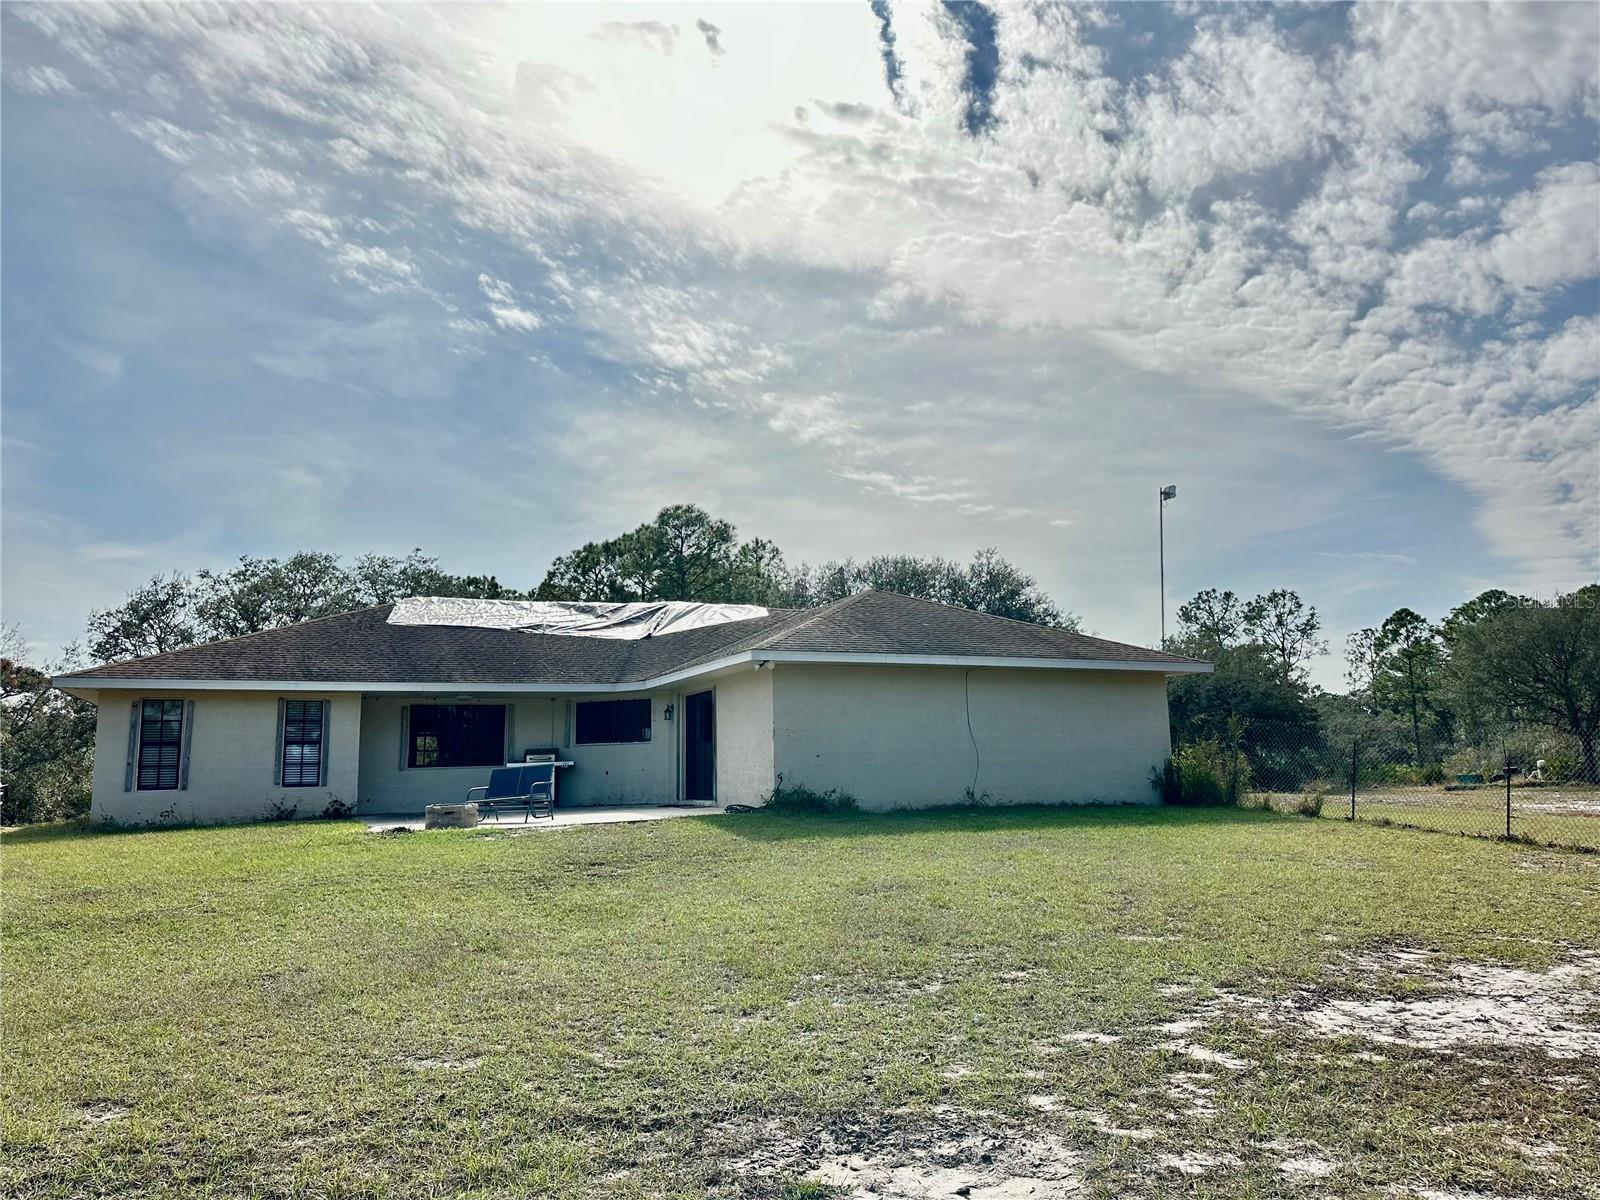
[(1496, 673)]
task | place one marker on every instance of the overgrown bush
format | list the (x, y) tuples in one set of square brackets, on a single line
[(1295, 804), (1300, 804), (1560, 767), (1203, 773), (802, 800)]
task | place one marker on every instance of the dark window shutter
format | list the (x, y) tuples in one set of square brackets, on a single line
[(277, 754), (133, 746), (187, 737), (327, 717)]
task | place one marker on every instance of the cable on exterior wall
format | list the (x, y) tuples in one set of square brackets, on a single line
[(977, 757)]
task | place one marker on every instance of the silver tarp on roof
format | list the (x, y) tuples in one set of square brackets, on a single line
[(571, 618)]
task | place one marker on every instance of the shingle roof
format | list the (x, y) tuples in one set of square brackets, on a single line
[(362, 647)]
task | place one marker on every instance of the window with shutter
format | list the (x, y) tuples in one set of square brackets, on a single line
[(160, 745), (301, 765)]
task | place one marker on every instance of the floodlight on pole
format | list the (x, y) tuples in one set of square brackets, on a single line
[(1170, 492)]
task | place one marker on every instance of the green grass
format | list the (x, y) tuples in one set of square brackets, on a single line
[(1567, 816), (312, 1010), (1481, 820)]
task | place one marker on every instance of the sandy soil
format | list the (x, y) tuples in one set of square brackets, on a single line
[(1395, 997), (960, 1154)]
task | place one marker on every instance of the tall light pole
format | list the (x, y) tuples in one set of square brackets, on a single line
[(1169, 492)]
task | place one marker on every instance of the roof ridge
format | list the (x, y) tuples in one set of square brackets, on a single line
[(821, 611), (1088, 637), (242, 637), (996, 616)]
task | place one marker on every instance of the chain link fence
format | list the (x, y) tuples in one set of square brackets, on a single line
[(1529, 786)]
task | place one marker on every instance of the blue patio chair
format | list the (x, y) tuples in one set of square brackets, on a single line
[(530, 787)]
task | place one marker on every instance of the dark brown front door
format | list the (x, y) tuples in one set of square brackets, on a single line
[(699, 747)]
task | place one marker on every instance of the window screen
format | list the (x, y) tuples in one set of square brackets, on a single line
[(302, 743), (613, 721), (457, 735), (160, 744)]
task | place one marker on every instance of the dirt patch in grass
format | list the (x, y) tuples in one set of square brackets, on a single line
[(422, 1063), (1207, 1055), (1413, 998), (1470, 1003), (1307, 1166), (1195, 1163), (956, 1153), (1192, 1092), (102, 1112)]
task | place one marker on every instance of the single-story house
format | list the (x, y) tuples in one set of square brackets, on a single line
[(898, 702)]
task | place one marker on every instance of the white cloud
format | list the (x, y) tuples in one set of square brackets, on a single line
[(503, 306), (1235, 103), (653, 35), (1551, 233), (1467, 172), (39, 81)]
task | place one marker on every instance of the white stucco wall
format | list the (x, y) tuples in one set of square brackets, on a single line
[(897, 737), (744, 736), (632, 773), (232, 744)]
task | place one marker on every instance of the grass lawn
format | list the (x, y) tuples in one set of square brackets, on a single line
[(1155, 1001)]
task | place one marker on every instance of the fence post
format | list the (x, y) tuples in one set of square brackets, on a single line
[(1508, 795), (1355, 744)]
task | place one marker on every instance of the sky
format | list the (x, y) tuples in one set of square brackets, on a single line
[(876, 277)]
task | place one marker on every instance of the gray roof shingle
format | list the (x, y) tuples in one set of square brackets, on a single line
[(362, 647)]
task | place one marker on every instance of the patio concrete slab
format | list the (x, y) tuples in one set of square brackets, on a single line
[(565, 818)]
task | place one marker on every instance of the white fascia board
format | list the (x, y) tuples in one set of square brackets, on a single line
[(716, 666), (970, 660)]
